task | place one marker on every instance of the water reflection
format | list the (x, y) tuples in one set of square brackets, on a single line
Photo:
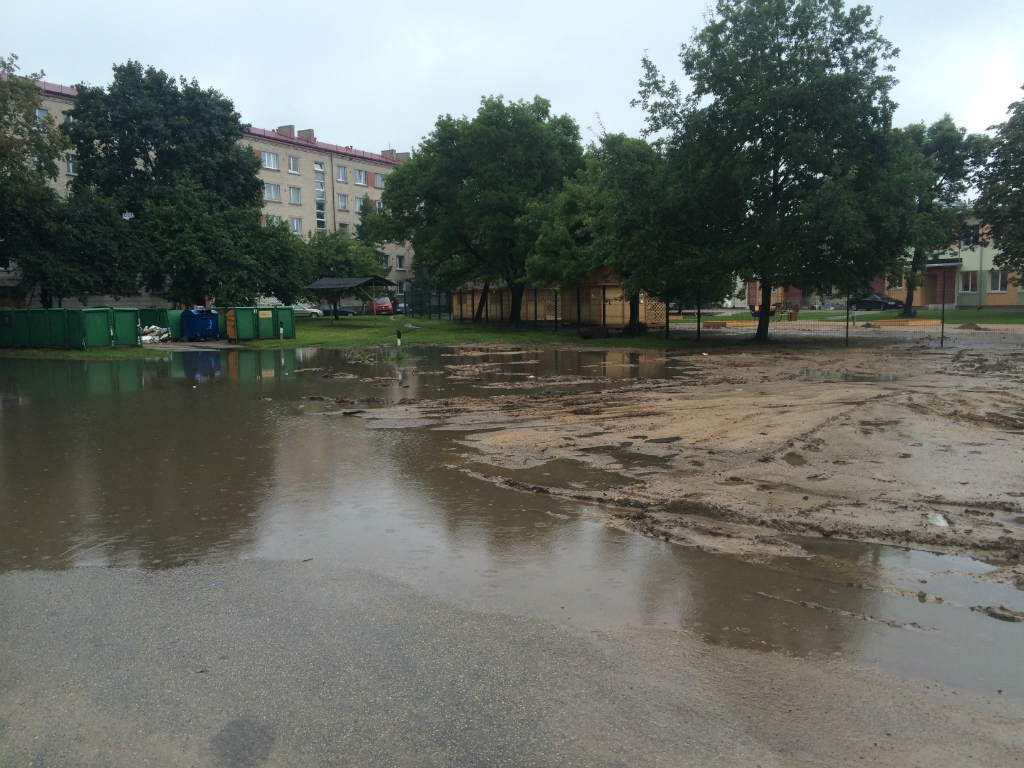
[(162, 462)]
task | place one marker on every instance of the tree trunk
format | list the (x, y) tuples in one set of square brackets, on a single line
[(516, 310), (634, 312), (765, 313), (45, 299), (483, 302), (916, 266)]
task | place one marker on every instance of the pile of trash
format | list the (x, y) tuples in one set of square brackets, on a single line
[(154, 334)]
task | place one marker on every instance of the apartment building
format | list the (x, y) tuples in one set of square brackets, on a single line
[(308, 184), (313, 186)]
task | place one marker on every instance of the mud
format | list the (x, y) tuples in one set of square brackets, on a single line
[(910, 447)]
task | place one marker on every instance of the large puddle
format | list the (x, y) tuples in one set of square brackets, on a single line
[(224, 455)]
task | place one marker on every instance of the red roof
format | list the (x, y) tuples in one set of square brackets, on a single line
[(69, 92), (263, 133)]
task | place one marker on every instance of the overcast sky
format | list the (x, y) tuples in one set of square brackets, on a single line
[(377, 74)]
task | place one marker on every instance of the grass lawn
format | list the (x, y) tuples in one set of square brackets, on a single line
[(97, 353), (363, 331)]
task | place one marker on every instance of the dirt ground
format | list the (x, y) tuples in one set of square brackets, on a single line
[(917, 447)]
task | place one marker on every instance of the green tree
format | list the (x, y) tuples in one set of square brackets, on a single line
[(1001, 202), (30, 149), (285, 262), (335, 254), (636, 209), (168, 152), (464, 198), (943, 160), (790, 108)]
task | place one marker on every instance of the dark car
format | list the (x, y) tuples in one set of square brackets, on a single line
[(328, 310), (876, 301)]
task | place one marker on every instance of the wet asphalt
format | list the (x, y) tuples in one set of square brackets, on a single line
[(280, 663)]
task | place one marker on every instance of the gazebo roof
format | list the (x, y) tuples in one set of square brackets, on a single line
[(349, 283)]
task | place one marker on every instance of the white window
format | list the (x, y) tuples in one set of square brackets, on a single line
[(342, 176), (380, 205), (400, 262), (360, 177), (294, 195), (272, 193), (269, 160), (293, 164), (42, 113), (378, 180), (72, 164), (272, 219), (997, 281), (342, 202), (897, 282), (319, 182), (342, 226), (296, 225), (968, 282), (385, 260), (359, 204)]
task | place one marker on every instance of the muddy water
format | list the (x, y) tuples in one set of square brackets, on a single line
[(223, 456)]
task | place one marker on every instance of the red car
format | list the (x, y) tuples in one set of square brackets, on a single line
[(381, 307)]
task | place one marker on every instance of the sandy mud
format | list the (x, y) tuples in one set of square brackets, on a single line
[(745, 451)]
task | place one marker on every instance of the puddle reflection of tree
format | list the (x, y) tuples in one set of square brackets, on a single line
[(156, 474), (509, 525), (723, 599)]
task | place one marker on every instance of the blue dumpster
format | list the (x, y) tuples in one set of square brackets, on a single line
[(199, 324)]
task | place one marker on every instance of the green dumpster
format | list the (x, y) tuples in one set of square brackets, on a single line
[(266, 328), (150, 316), (126, 327), (89, 327), (241, 324), (22, 333), (285, 316), (6, 328), (57, 327), (39, 328), (174, 323)]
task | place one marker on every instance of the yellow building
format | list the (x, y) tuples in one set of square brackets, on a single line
[(969, 274)]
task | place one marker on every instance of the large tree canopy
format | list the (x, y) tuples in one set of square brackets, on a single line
[(31, 146), (168, 152), (463, 199), (943, 160), (634, 210), (1001, 203), (790, 109)]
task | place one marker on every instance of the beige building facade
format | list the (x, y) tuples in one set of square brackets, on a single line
[(308, 184)]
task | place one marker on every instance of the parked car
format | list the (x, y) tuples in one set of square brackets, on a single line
[(328, 310), (400, 309), (301, 310), (876, 301), (382, 306)]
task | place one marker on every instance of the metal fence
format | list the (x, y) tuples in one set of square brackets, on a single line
[(588, 306), (938, 327)]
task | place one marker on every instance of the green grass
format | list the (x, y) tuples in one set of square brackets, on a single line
[(362, 331), (96, 353)]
